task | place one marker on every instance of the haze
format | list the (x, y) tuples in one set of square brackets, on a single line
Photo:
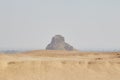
[(85, 24)]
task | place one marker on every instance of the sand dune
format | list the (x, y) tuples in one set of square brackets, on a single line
[(60, 65)]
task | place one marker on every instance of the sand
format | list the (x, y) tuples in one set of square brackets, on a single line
[(60, 65)]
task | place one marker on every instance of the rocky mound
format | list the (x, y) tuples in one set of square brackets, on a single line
[(58, 43)]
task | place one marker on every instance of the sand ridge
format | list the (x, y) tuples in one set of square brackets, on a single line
[(60, 65)]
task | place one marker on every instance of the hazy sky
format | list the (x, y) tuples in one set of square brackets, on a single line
[(86, 24)]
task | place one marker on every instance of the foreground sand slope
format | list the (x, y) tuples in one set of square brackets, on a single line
[(60, 65)]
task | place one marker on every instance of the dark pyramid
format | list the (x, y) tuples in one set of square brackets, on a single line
[(58, 43)]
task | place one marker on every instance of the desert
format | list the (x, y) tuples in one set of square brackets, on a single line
[(59, 39), (60, 65)]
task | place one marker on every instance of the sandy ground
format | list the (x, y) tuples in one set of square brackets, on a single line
[(60, 65)]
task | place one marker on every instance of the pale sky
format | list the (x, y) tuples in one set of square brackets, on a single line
[(85, 24)]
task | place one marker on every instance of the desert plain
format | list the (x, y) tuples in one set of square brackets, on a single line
[(60, 65)]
